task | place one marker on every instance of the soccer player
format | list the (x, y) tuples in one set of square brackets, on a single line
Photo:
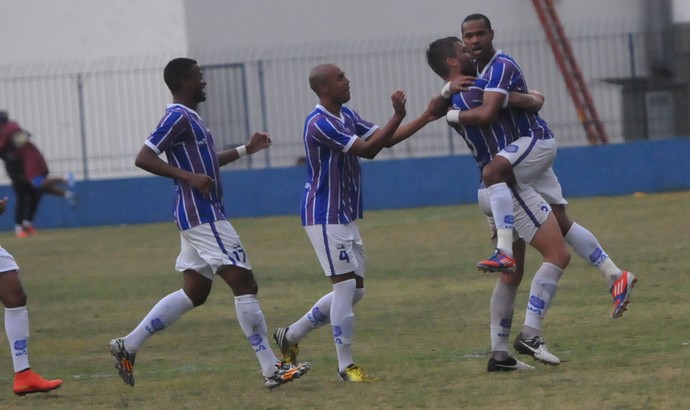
[(535, 223), (335, 137), (503, 75), (209, 244), (12, 295)]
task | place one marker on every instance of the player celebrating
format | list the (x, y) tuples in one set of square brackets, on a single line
[(210, 246)]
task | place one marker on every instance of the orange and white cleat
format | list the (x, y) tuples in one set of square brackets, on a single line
[(27, 382), (620, 292)]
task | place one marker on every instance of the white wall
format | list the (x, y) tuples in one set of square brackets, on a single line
[(224, 24), (64, 30)]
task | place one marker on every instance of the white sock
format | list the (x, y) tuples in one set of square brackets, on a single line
[(502, 210), (541, 292), (253, 325), (166, 312), (317, 316), (343, 321), (502, 304), (17, 330), (586, 245)]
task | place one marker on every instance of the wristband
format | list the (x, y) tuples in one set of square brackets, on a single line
[(445, 92), (453, 116), (241, 151)]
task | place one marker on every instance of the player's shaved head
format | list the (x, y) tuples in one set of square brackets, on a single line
[(321, 74)]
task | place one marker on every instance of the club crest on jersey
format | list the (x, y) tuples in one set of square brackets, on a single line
[(511, 148)]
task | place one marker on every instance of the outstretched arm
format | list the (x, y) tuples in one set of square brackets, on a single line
[(436, 109)]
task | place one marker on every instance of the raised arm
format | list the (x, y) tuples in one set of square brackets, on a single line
[(381, 138), (436, 109)]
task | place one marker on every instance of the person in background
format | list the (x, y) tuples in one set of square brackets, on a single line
[(28, 171)]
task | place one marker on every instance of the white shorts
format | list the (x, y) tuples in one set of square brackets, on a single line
[(532, 162), (339, 248), (529, 208), (207, 247), (7, 262)]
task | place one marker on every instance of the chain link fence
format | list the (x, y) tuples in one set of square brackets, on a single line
[(92, 119)]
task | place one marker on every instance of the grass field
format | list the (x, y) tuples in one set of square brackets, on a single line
[(422, 328)]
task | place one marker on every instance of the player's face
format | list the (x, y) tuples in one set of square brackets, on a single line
[(196, 84), (339, 86), (465, 64), (478, 38)]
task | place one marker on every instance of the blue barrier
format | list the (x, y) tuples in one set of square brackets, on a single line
[(642, 166)]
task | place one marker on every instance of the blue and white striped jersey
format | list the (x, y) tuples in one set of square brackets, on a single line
[(333, 192), (188, 144), (504, 75), (484, 141)]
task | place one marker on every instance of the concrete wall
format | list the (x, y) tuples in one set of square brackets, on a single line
[(645, 166)]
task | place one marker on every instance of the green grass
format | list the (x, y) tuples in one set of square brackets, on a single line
[(422, 327)]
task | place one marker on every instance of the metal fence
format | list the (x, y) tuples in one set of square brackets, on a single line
[(92, 119)]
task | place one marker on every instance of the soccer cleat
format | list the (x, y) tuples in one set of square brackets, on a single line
[(535, 347), (620, 292), (288, 350), (286, 373), (124, 360), (27, 382), (508, 365), (22, 234), (498, 262), (354, 373)]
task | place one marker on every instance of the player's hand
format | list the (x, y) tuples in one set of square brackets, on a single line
[(3, 205), (201, 182), (399, 99), (461, 83), (437, 108), (258, 141)]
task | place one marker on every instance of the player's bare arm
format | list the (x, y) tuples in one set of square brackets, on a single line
[(372, 146), (437, 108), (257, 142), (484, 114), (532, 101), (149, 161)]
